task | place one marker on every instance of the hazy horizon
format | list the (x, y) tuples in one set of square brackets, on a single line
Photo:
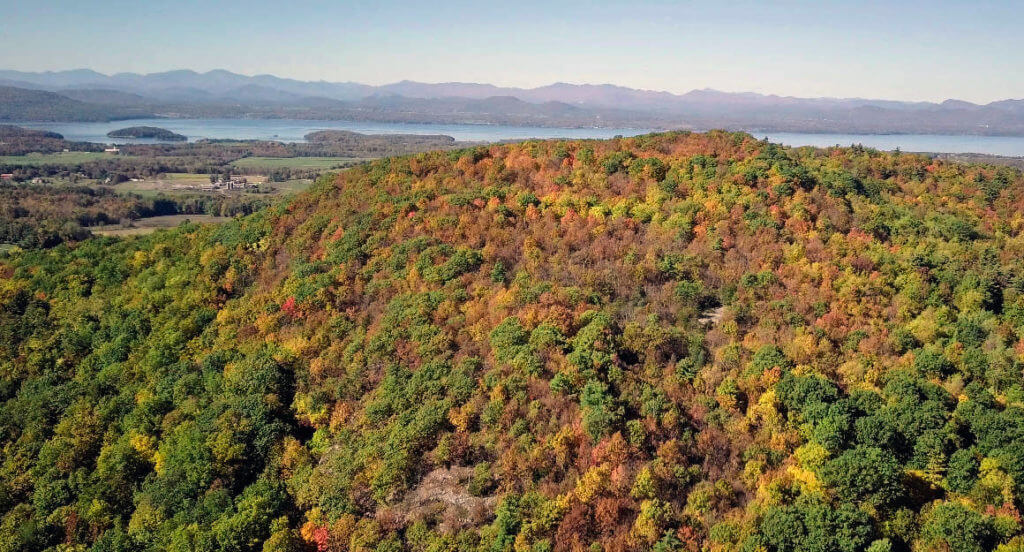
[(464, 82), (799, 49)]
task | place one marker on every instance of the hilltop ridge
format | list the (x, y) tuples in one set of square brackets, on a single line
[(669, 342)]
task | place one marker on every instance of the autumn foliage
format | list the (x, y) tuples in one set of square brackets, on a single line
[(669, 342)]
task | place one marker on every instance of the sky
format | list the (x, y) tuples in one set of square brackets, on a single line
[(909, 50)]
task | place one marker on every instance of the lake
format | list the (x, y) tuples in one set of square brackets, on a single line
[(291, 130), (935, 143)]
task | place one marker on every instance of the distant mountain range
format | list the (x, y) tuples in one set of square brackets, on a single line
[(83, 94)]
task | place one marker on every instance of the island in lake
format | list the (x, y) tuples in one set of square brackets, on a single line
[(155, 133)]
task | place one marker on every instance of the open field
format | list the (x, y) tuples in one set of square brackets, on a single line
[(176, 184), (149, 225), (63, 181), (312, 163), (64, 158), (291, 186), (167, 183), (179, 184)]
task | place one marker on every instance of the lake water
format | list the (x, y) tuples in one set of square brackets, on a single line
[(935, 143), (291, 130)]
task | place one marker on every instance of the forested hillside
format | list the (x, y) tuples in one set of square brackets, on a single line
[(674, 342), (21, 104)]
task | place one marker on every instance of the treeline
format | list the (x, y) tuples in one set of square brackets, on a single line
[(205, 156), (1008, 161), (15, 140), (673, 342), (116, 169), (325, 143), (44, 216), (353, 144), (120, 169)]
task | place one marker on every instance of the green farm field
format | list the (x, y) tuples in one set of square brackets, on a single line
[(63, 158), (312, 163)]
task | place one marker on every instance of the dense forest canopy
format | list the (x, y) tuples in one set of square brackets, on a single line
[(22, 104), (669, 342), (15, 140), (8, 132), (156, 133), (43, 215)]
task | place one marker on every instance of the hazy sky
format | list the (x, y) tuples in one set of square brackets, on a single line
[(899, 50)]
